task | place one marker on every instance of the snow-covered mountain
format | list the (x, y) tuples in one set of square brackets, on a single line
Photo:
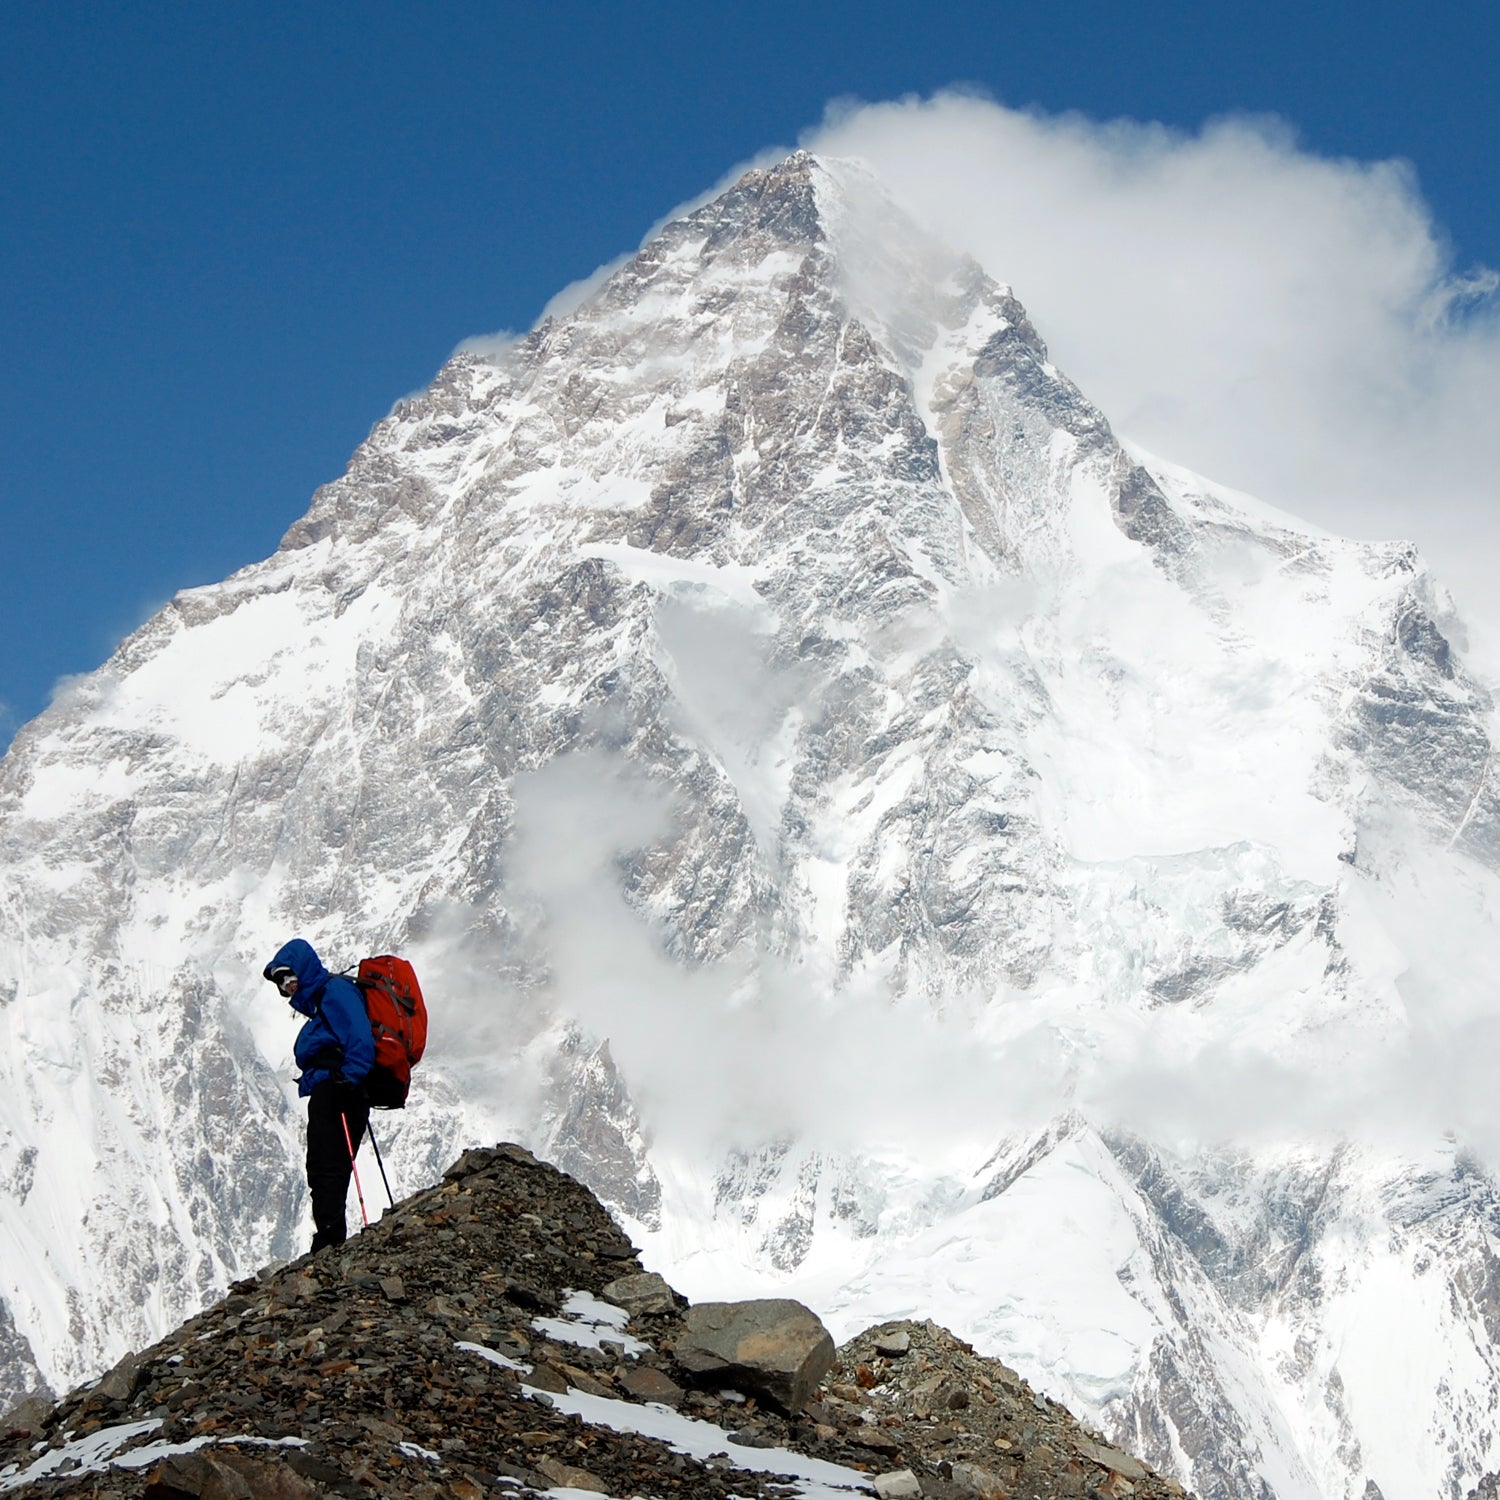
[(894, 841)]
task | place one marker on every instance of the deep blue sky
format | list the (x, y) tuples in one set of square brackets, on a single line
[(233, 235)]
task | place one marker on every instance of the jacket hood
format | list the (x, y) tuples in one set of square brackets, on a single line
[(312, 974)]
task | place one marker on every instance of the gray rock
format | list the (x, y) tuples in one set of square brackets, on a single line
[(1112, 1459), (26, 1419), (899, 1484), (120, 1383), (970, 1482), (645, 1293), (295, 1289), (227, 1477), (571, 1477), (546, 1378), (646, 1384), (772, 1348), (748, 1437), (893, 1345)]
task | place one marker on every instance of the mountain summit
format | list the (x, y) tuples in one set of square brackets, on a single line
[(896, 842)]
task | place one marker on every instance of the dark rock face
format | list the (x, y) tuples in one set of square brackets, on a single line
[(422, 1359), (18, 1372), (1144, 513)]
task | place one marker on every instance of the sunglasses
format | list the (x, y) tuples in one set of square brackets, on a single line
[(281, 978)]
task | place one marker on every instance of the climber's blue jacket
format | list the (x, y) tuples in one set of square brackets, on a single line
[(336, 1042)]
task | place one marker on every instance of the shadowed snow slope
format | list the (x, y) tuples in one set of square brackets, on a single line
[(897, 843)]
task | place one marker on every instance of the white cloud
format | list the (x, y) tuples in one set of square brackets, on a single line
[(483, 346), (754, 1048), (1286, 323), (80, 686)]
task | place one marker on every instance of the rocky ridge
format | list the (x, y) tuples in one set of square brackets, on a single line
[(433, 1355)]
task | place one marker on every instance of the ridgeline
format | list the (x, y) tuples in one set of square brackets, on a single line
[(497, 1335)]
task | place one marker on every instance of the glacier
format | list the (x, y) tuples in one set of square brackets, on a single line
[(900, 844)]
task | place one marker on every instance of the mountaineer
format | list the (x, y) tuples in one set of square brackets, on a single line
[(335, 1050)]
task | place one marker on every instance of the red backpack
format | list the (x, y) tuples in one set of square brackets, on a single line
[(398, 1019)]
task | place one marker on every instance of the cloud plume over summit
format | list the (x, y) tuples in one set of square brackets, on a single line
[(1287, 323)]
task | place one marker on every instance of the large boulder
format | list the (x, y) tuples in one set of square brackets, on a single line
[(773, 1348)]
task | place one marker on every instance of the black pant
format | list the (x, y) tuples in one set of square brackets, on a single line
[(332, 1105)]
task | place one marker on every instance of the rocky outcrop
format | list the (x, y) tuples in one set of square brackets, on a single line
[(465, 1342), (978, 1426)]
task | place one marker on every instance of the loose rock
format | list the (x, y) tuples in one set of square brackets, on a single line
[(646, 1384), (436, 1391), (644, 1293), (1112, 1459), (571, 1477), (120, 1383)]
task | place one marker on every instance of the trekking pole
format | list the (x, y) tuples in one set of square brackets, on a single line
[(359, 1191), (381, 1164)]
